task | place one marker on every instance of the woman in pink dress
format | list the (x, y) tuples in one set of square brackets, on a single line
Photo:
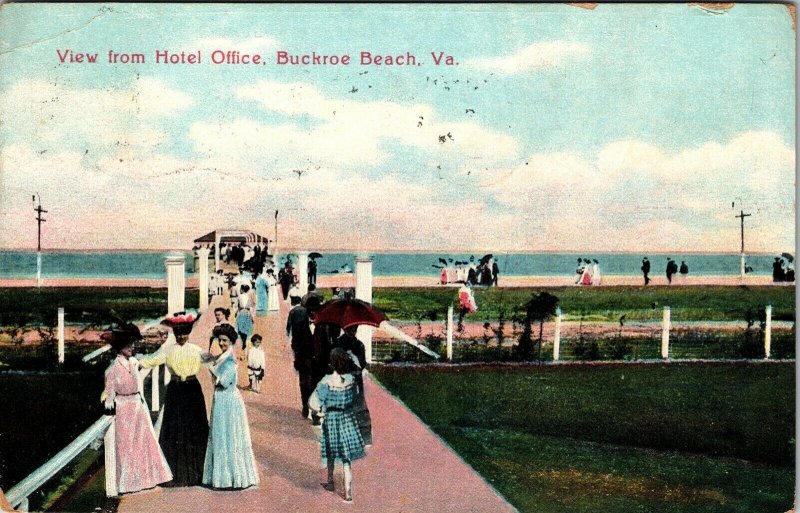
[(139, 462)]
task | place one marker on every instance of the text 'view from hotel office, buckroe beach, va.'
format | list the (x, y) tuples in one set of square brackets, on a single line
[(281, 57)]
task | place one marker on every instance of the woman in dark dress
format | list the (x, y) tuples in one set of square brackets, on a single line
[(184, 429)]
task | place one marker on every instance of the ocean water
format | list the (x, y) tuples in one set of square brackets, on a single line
[(122, 264), (150, 264)]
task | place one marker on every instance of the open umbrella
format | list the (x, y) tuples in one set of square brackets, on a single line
[(443, 261), (314, 255), (788, 256), (349, 312), (485, 258)]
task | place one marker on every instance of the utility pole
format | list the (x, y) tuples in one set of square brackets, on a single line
[(39, 220), (741, 216)]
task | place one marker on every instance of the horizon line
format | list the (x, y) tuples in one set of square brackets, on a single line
[(404, 251)]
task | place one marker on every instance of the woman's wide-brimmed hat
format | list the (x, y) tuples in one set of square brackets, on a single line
[(121, 335), (181, 322)]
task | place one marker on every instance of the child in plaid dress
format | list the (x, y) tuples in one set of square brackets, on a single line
[(341, 440)]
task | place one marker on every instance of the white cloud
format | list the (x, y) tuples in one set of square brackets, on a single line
[(634, 195), (629, 196), (46, 113), (548, 54), (344, 131)]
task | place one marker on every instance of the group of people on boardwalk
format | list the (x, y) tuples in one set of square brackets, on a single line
[(188, 450)]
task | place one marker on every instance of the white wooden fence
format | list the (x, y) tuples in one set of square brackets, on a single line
[(666, 327)]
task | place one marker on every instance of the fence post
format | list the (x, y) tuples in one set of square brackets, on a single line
[(60, 335), (154, 397), (665, 325), (768, 332), (363, 275), (109, 441), (557, 336), (450, 333), (202, 277), (302, 272), (176, 283)]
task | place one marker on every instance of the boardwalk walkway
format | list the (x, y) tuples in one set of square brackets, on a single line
[(408, 469)]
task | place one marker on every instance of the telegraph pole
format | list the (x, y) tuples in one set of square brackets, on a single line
[(741, 216), (39, 220)]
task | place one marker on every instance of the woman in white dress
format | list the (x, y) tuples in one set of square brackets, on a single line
[(272, 294)]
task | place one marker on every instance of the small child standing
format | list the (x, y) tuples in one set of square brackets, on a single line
[(341, 440), (256, 363)]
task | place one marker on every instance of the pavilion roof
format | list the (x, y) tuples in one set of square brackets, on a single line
[(232, 235)]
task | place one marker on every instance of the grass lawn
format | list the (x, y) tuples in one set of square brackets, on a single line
[(679, 437), (712, 303), (83, 305)]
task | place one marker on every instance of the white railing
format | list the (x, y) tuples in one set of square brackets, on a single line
[(18, 495)]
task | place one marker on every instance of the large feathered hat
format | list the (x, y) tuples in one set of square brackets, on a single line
[(181, 322)]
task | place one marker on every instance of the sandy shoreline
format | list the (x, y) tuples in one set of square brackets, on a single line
[(348, 280)]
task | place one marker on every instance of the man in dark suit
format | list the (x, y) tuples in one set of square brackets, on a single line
[(297, 326), (285, 278), (646, 270), (312, 272)]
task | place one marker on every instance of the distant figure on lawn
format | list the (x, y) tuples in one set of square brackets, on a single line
[(778, 272), (672, 268), (646, 270)]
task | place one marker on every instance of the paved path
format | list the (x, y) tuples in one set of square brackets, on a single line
[(408, 469)]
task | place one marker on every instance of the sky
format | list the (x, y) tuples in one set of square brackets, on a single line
[(557, 128)]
